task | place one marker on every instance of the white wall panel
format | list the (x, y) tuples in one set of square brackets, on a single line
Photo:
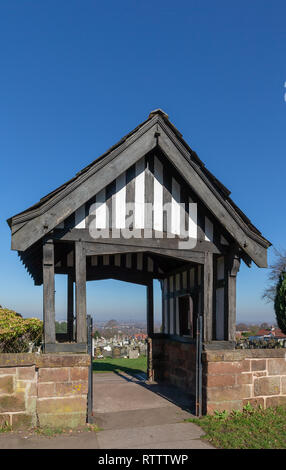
[(139, 194), (100, 211), (158, 195), (175, 212), (209, 230), (120, 201), (80, 217)]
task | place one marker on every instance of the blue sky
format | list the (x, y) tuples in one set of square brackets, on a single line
[(75, 76)]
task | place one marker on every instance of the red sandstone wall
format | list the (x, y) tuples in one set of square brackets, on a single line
[(45, 390), (231, 379), (175, 362)]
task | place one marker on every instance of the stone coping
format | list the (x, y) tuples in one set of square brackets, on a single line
[(241, 354), (44, 360)]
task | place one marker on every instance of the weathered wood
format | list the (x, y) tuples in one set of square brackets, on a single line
[(150, 329), (70, 307), (80, 288), (66, 347), (49, 292), (208, 296), (150, 309), (149, 190), (130, 197), (183, 255), (233, 268), (46, 217), (165, 247), (94, 273)]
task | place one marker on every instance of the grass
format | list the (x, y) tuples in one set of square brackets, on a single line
[(48, 431), (130, 366), (5, 428), (248, 429)]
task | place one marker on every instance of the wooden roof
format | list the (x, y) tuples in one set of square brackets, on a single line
[(29, 226)]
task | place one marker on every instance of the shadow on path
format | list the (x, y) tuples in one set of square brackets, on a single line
[(169, 392)]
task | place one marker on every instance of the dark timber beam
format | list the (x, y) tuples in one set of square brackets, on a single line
[(80, 288), (150, 330), (150, 309), (158, 240), (208, 297), (233, 268), (70, 307), (49, 292)]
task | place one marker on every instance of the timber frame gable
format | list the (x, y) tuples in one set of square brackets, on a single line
[(30, 226)]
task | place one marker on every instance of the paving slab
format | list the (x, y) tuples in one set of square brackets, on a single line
[(113, 392), (193, 444), (135, 414), (143, 417), (84, 440), (149, 435)]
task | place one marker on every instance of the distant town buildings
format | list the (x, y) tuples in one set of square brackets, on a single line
[(263, 337), (272, 333)]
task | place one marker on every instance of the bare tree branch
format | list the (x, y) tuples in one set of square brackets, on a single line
[(275, 270)]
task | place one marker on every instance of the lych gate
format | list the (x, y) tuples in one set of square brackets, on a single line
[(147, 209)]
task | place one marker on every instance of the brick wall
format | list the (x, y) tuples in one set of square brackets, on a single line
[(175, 362), (231, 379), (43, 389)]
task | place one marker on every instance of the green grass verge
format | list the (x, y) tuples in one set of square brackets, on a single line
[(130, 366), (5, 428), (48, 431), (247, 429)]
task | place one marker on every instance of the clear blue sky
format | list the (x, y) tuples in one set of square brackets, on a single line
[(77, 75)]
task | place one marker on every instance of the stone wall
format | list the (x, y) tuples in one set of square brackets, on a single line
[(43, 389), (231, 379), (175, 362)]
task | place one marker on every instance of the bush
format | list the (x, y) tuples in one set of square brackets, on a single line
[(18, 334), (280, 302)]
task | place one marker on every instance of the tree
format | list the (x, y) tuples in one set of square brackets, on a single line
[(280, 302), (278, 267), (111, 324), (96, 334), (61, 327)]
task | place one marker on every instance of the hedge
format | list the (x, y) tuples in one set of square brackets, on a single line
[(18, 334)]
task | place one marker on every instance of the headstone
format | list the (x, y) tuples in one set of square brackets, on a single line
[(115, 352), (133, 353)]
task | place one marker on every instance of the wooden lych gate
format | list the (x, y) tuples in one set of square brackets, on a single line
[(147, 209)]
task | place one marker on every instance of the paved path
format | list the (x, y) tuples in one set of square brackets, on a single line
[(132, 415), (135, 415)]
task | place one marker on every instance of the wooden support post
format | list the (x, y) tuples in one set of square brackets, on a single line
[(150, 309), (70, 307), (208, 297), (49, 292), (150, 329), (233, 268), (80, 292)]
